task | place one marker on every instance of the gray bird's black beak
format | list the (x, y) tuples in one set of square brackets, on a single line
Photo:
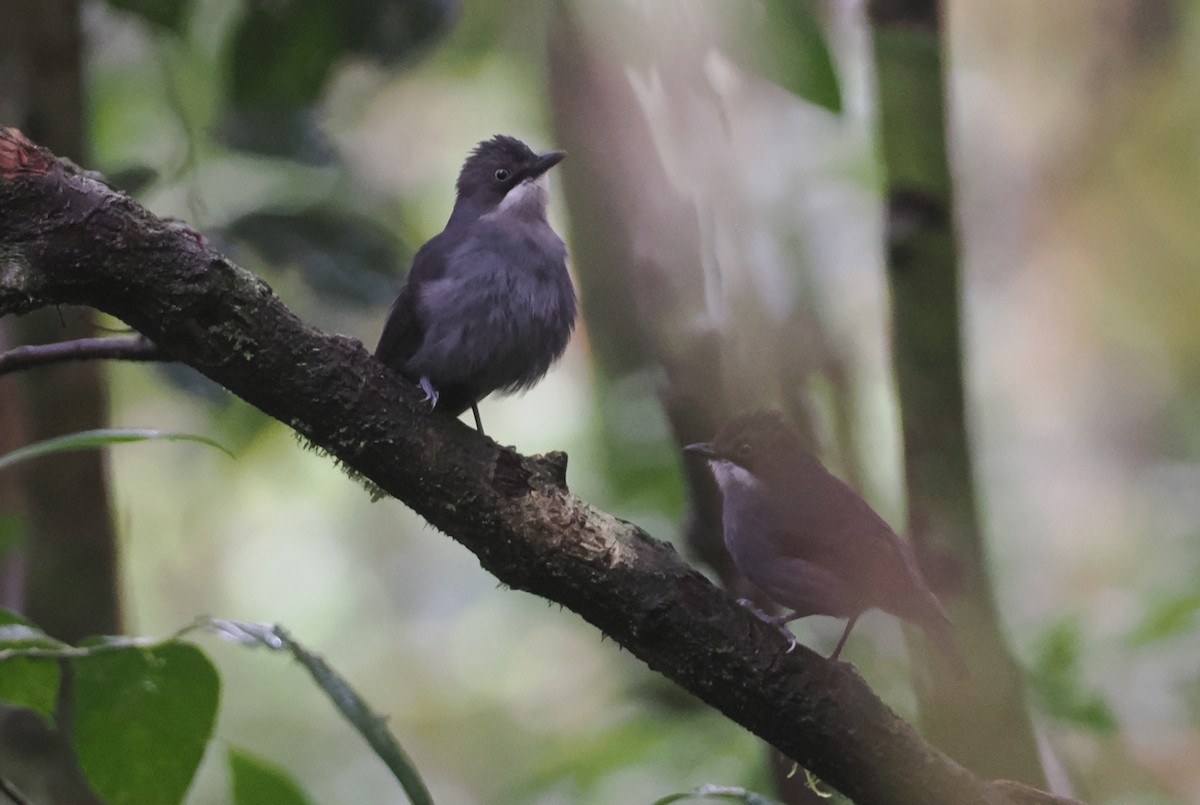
[(545, 162), (702, 449)]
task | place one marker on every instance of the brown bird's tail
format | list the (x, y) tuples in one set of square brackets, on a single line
[(913, 601), (937, 626), (936, 623)]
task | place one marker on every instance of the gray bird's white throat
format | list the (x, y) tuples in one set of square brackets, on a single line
[(528, 197)]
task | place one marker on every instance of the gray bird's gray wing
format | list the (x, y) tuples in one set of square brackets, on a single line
[(505, 310), (405, 328)]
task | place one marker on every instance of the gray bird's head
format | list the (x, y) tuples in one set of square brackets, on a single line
[(504, 171), (753, 448)]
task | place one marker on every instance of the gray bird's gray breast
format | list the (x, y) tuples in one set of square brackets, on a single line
[(504, 309)]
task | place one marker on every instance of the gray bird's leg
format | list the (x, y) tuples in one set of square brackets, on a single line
[(431, 394), (838, 648), (778, 621), (478, 421)]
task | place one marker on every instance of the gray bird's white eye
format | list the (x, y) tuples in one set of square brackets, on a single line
[(502, 175)]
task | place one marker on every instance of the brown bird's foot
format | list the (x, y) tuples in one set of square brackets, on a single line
[(478, 421), (431, 394), (780, 622)]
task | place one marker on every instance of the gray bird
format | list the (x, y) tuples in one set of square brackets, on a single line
[(808, 540), (488, 304)]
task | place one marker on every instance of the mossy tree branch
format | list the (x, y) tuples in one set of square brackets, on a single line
[(67, 238)]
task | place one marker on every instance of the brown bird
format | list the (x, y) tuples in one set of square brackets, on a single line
[(808, 540)]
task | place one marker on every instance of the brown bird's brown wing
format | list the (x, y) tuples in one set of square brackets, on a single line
[(843, 534)]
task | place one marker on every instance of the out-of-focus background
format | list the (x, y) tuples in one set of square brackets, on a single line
[(1075, 148)]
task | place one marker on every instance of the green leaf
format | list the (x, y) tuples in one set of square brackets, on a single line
[(169, 14), (257, 782), (25, 681), (19, 633), (143, 717), (710, 791), (30, 683), (92, 439), (341, 254), (282, 52), (786, 45), (1168, 618), (1055, 681), (370, 726), (8, 617)]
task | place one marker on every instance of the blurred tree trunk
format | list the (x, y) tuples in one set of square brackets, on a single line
[(70, 586), (636, 251), (982, 722), (637, 248), (64, 574)]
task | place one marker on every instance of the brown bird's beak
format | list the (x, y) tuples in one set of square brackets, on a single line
[(702, 449)]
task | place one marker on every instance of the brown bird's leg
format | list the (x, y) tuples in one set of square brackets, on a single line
[(478, 421), (838, 648)]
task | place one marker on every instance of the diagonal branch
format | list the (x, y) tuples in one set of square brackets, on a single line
[(133, 348), (66, 238), (11, 793)]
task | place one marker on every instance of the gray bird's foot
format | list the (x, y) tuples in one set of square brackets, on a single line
[(778, 621), (431, 394)]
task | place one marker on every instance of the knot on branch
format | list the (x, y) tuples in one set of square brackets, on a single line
[(555, 465), (513, 477), (510, 476)]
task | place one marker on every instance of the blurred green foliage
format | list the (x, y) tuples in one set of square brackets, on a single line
[(169, 14), (259, 782), (1172, 616), (786, 44), (282, 54), (1057, 680)]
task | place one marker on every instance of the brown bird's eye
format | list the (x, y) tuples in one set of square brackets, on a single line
[(502, 175), (743, 450)]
